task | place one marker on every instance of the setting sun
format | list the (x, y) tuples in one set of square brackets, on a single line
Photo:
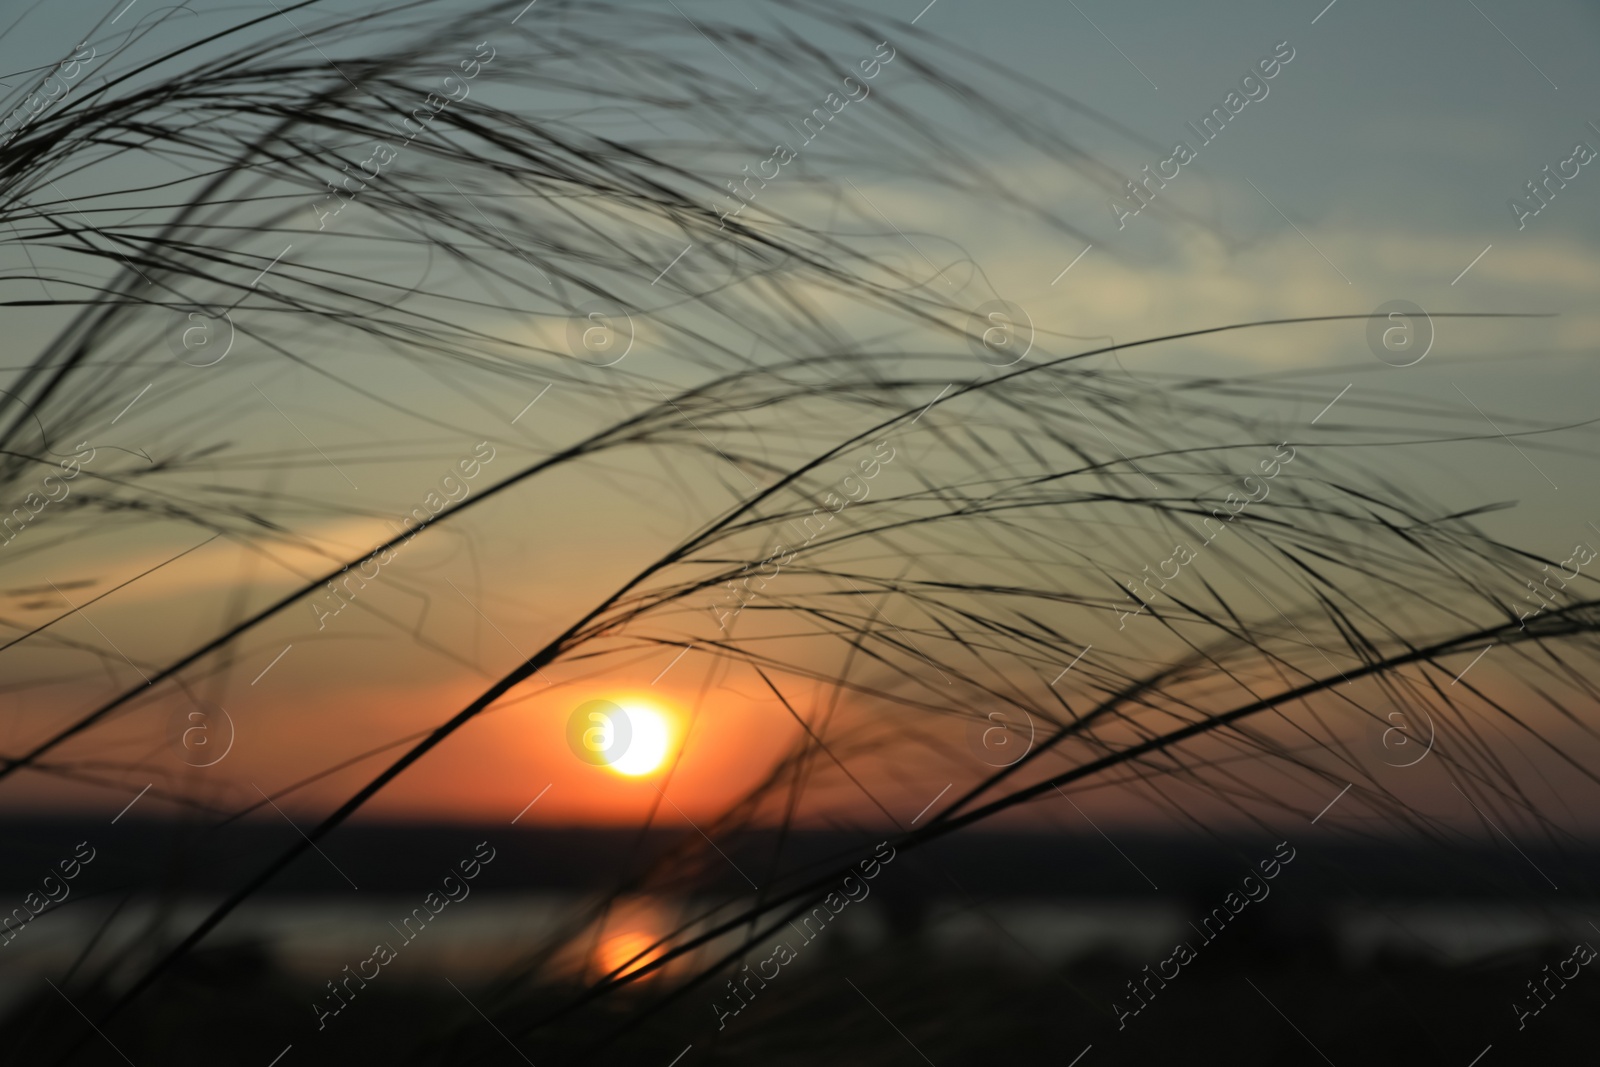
[(647, 749), (626, 953)]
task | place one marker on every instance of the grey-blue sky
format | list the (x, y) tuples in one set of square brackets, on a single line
[(1392, 141)]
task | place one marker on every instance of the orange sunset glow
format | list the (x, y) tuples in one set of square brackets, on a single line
[(624, 953)]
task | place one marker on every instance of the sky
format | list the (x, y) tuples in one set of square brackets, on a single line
[(1377, 168)]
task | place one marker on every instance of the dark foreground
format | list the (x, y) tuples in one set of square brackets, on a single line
[(1245, 1005), (982, 950)]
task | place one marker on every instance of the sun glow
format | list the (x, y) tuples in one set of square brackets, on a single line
[(626, 953), (647, 749)]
